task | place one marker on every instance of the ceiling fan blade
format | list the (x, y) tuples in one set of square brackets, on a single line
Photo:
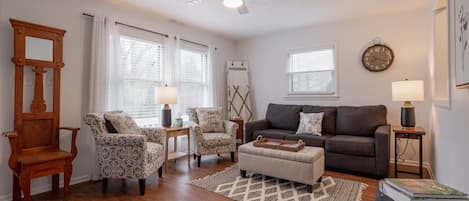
[(243, 9)]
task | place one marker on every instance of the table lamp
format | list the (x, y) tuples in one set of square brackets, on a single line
[(407, 90), (166, 95)]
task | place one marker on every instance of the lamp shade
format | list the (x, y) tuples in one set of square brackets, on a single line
[(165, 95), (232, 3), (408, 90)]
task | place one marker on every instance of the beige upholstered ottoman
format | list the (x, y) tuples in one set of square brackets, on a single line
[(305, 166)]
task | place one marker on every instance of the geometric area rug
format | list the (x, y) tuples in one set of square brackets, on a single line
[(257, 187)]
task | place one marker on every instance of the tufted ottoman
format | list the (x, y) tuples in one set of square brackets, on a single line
[(305, 166)]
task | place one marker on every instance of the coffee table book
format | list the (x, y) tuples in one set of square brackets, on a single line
[(419, 190)]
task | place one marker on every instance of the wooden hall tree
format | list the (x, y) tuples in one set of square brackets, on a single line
[(35, 150)]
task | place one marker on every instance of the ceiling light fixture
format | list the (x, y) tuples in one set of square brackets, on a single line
[(232, 3)]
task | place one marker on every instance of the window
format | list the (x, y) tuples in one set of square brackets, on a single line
[(312, 72), (193, 77), (141, 64)]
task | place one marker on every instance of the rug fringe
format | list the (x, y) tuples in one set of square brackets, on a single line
[(363, 187)]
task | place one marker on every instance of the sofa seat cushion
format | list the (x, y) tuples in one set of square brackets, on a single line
[(351, 145), (283, 116), (360, 121), (216, 139), (274, 133), (311, 140)]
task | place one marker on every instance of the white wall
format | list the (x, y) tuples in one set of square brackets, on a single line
[(450, 159), (406, 33), (67, 14)]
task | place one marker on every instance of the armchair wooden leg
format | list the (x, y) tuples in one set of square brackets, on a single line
[(55, 183), (195, 156), (232, 157), (218, 155), (160, 171), (198, 160), (16, 189), (141, 186), (104, 185)]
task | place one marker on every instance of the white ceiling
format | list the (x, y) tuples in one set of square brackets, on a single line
[(267, 16)]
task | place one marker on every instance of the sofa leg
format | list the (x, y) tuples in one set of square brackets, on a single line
[(218, 155), (195, 156), (141, 186), (320, 180), (198, 160), (242, 173), (309, 188), (232, 156), (160, 171), (104, 185)]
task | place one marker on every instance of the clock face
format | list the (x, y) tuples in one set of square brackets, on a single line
[(377, 58)]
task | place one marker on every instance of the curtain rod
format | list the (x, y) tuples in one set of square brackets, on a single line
[(131, 26)]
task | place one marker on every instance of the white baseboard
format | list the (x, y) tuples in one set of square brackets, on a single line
[(416, 164), (47, 187)]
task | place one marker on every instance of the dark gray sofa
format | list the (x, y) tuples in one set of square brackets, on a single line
[(354, 138)]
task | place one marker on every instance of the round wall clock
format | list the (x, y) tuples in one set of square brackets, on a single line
[(377, 58)]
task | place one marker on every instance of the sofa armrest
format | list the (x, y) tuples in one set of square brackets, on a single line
[(253, 126), (382, 140)]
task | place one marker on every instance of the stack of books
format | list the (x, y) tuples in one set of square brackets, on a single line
[(419, 190)]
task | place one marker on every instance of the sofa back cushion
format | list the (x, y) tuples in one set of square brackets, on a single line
[(328, 121), (360, 121), (283, 116)]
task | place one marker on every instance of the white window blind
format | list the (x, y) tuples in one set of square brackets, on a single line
[(141, 63), (313, 72), (193, 76)]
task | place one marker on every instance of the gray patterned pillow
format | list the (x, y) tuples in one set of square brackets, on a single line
[(210, 119), (122, 122), (310, 123)]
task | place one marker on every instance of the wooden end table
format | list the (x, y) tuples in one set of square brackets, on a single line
[(174, 132), (409, 133)]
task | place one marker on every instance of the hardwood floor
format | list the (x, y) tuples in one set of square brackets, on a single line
[(174, 184)]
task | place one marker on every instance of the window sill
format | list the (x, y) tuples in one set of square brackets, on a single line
[(308, 97)]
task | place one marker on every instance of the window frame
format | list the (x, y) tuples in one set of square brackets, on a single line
[(311, 94), (135, 35)]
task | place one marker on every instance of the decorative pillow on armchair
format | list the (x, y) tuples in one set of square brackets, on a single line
[(122, 122), (210, 119), (310, 123)]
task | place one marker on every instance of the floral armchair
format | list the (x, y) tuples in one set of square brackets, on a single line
[(125, 156), (212, 142)]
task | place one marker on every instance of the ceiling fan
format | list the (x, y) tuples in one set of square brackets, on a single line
[(239, 4)]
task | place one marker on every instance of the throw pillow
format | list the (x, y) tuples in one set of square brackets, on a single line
[(210, 119), (310, 123), (122, 122), (110, 128)]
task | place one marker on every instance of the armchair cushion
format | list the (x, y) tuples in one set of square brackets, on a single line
[(122, 122), (216, 139), (210, 119)]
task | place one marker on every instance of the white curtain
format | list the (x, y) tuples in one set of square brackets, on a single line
[(103, 57)]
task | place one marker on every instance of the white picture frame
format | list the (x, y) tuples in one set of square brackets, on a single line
[(460, 29)]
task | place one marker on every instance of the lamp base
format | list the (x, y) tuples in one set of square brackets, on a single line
[(166, 116), (407, 115)]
